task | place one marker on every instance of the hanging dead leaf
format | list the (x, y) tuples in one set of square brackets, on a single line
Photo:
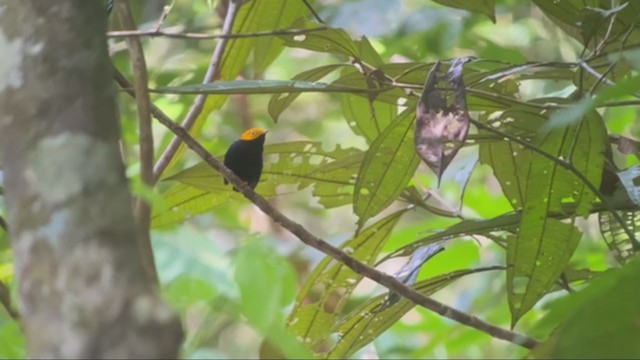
[(441, 129)]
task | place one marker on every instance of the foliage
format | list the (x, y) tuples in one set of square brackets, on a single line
[(546, 94)]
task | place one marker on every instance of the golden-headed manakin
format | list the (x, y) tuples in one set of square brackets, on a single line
[(244, 156)]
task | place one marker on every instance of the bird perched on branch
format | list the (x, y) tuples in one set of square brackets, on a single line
[(244, 157)]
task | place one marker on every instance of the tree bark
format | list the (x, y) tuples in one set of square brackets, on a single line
[(83, 290)]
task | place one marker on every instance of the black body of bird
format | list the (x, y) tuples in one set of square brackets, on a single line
[(244, 157)]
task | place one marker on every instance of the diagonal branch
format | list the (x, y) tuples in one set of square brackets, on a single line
[(306, 237), (198, 104), (145, 138)]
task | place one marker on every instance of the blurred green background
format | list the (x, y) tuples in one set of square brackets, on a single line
[(232, 273)]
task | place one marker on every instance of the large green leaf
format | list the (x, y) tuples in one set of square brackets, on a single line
[(599, 322), (544, 246), (201, 188), (330, 40), (267, 284), (386, 169), (183, 202), (365, 117), (277, 15), (325, 292), (372, 318), (484, 7)]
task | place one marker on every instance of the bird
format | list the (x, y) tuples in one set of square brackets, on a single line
[(244, 157)]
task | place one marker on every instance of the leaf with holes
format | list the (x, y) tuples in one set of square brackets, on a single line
[(366, 322), (365, 117), (510, 161), (278, 15), (331, 172), (441, 129), (184, 201), (329, 40), (386, 169), (544, 245), (325, 292), (615, 237)]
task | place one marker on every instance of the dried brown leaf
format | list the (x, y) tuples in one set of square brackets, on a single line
[(442, 128)]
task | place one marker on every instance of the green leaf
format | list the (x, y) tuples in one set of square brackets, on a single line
[(615, 237), (510, 161), (331, 172), (544, 246), (279, 14), (599, 322), (365, 323), (187, 257), (575, 112), (325, 292), (267, 284), (387, 168), (536, 260), (330, 40), (12, 341), (251, 18), (186, 291), (183, 202), (279, 102), (591, 22), (484, 7), (365, 117)]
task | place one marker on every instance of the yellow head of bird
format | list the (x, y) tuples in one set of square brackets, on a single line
[(252, 134)]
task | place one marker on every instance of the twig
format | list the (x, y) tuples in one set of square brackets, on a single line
[(198, 104), (202, 36), (145, 138), (5, 300), (299, 231), (313, 12)]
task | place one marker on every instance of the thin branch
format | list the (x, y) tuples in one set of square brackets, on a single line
[(198, 104), (619, 103), (299, 231), (203, 36), (145, 138), (313, 12), (568, 166), (163, 16), (358, 267), (5, 300)]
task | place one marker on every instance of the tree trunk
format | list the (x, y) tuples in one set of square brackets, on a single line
[(83, 291)]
